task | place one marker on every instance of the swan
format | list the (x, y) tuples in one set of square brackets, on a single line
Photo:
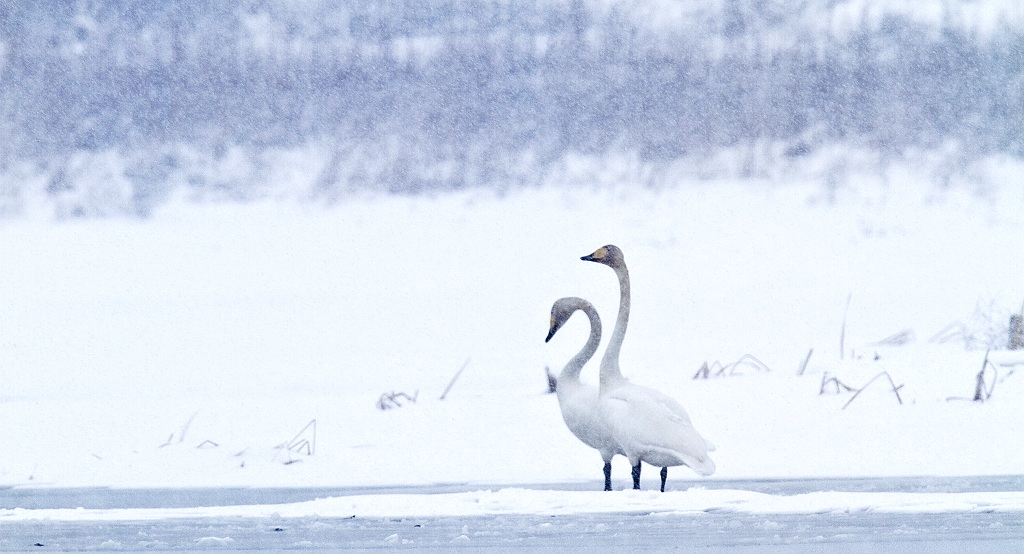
[(647, 424), (577, 400)]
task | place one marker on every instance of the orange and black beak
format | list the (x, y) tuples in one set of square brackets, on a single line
[(597, 256)]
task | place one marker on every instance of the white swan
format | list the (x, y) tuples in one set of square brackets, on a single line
[(647, 424), (578, 400)]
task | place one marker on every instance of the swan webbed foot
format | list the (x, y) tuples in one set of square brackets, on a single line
[(664, 477), (607, 476), (636, 477)]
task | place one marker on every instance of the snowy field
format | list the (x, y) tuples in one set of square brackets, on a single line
[(250, 345)]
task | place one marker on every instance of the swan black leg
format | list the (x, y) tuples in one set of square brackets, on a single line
[(636, 477), (607, 476), (664, 476)]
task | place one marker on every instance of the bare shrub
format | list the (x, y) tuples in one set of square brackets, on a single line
[(984, 329)]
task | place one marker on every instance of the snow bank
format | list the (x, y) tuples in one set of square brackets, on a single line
[(537, 502)]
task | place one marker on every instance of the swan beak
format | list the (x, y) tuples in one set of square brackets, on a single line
[(597, 256), (551, 333)]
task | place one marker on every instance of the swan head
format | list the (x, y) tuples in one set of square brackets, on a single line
[(609, 255), (561, 311)]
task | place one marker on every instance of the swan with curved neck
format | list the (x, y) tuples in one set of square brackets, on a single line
[(577, 400), (647, 424)]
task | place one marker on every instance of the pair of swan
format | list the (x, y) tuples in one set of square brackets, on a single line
[(618, 417)]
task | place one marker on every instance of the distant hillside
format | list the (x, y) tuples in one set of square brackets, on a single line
[(425, 95)]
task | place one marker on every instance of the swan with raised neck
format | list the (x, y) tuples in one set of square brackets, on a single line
[(647, 424), (611, 256)]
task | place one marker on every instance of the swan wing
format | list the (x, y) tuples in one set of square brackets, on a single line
[(652, 426)]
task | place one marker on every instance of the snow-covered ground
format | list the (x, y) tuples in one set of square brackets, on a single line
[(249, 345), (517, 501)]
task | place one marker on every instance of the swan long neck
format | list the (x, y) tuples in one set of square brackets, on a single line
[(610, 373), (571, 371)]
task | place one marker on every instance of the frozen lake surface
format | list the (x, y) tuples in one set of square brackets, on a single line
[(714, 531), (723, 532)]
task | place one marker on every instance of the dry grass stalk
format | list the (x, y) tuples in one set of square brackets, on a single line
[(394, 399), (181, 434), (803, 366), (716, 369), (704, 372), (842, 333), (952, 331), (983, 385), (899, 339), (839, 387), (454, 378), (835, 382), (895, 388), (304, 442), (552, 380), (981, 391)]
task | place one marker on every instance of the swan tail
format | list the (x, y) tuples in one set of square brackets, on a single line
[(703, 467), (700, 462)]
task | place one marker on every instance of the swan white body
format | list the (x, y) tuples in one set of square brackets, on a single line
[(577, 400), (647, 424)]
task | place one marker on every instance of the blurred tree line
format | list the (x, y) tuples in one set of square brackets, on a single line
[(475, 86)]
